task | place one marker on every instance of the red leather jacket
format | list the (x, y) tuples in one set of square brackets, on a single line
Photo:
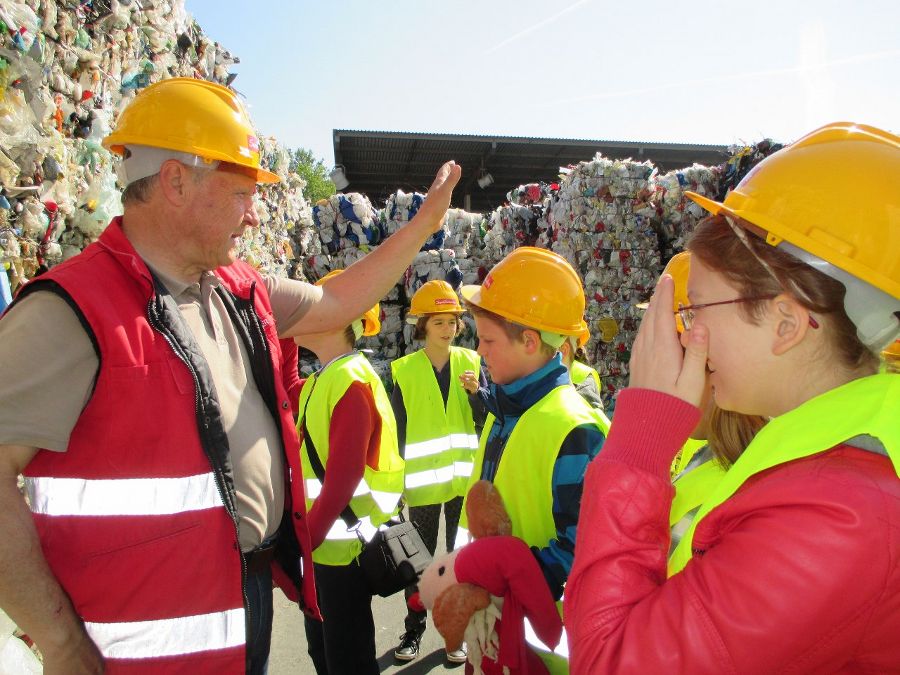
[(798, 572)]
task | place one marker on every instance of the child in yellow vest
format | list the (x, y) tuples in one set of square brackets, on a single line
[(436, 430), (585, 379), (349, 438), (540, 434)]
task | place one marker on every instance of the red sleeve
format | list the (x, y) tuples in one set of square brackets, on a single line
[(352, 438), (290, 375), (768, 595)]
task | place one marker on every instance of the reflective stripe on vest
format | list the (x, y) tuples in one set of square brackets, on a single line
[(376, 497), (436, 446), (440, 439), (386, 501), (121, 497), (867, 406), (444, 475), (169, 637)]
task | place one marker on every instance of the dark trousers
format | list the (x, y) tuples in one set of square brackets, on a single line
[(428, 522), (258, 588), (344, 642)]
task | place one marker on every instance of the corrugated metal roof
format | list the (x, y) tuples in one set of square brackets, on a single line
[(378, 163)]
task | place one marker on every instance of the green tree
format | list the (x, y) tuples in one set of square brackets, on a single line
[(313, 171)]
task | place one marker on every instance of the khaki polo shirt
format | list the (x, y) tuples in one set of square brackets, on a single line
[(48, 366)]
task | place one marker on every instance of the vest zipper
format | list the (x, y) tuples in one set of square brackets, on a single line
[(158, 326)]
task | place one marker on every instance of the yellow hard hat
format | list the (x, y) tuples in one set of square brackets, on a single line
[(371, 319), (834, 194), (435, 297), (194, 116), (584, 335), (533, 287), (891, 354), (678, 267)]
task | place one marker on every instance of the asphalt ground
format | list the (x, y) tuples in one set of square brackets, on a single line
[(288, 655)]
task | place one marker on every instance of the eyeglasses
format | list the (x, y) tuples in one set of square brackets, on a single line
[(686, 312)]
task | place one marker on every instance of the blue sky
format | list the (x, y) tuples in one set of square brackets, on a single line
[(706, 71)]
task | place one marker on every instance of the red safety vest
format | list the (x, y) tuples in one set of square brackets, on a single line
[(137, 519)]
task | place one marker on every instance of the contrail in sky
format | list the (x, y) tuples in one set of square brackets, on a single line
[(540, 24), (730, 77)]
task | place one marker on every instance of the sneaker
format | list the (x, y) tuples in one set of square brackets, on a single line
[(458, 655), (408, 649)]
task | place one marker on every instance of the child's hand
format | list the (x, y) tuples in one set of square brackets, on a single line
[(469, 381)]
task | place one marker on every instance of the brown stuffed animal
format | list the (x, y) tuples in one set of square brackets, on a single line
[(496, 576)]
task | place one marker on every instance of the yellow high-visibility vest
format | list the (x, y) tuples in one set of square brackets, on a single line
[(579, 372), (440, 440), (376, 497), (867, 406), (525, 475)]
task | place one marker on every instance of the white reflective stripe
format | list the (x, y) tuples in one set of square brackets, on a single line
[(361, 489), (436, 446), (339, 531), (386, 501), (429, 477), (562, 649), (463, 468), (427, 448), (169, 637), (462, 537), (313, 488), (464, 441), (122, 497)]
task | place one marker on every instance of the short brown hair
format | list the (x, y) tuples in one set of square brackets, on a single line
[(419, 330), (513, 330)]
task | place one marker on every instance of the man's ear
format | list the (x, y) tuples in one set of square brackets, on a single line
[(173, 181), (790, 322)]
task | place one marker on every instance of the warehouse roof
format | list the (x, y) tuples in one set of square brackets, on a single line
[(377, 163)]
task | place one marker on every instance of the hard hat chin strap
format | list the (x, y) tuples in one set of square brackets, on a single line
[(142, 161), (872, 311)]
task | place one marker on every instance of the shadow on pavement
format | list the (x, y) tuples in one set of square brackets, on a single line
[(420, 666)]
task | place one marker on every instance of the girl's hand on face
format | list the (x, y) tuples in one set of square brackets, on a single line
[(469, 381), (658, 361)]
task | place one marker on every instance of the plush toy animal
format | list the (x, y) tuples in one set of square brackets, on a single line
[(483, 592)]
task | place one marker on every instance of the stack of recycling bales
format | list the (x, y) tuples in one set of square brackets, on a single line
[(601, 219), (66, 71), (678, 215), (349, 227), (286, 232)]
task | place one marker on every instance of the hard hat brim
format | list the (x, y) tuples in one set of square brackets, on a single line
[(714, 207), (472, 295)]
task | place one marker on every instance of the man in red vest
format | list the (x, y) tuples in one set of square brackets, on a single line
[(143, 398)]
